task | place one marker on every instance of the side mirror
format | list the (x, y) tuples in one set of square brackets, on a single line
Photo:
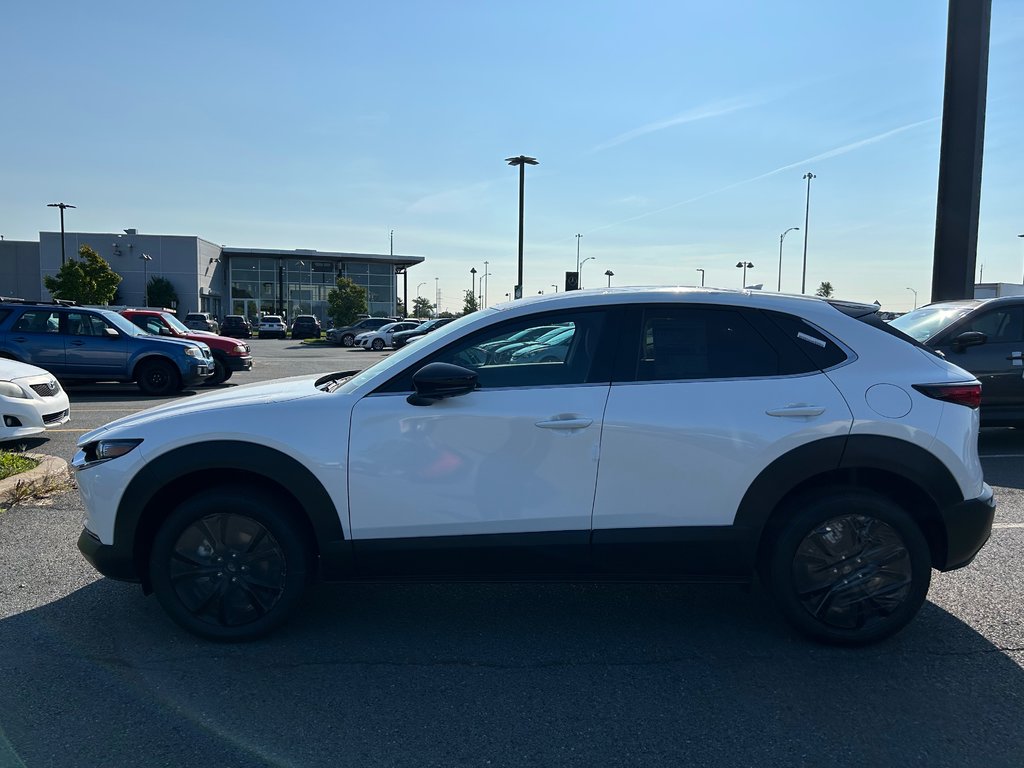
[(437, 381), (968, 339), (165, 331), (111, 333)]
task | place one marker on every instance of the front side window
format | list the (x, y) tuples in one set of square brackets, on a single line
[(1004, 325), (81, 324)]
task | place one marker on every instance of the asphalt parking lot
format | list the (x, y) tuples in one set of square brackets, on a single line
[(93, 673)]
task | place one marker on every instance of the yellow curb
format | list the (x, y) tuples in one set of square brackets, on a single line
[(49, 466)]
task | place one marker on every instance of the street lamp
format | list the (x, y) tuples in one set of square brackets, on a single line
[(579, 269), (437, 296), (146, 258), (472, 271), (578, 260), (418, 288), (482, 296), (807, 214), (609, 274), (555, 287), (522, 161), (781, 238), (701, 276), (486, 273), (915, 296), (746, 265), (62, 206), (1022, 279)]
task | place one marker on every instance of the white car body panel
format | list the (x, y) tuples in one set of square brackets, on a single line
[(36, 412)]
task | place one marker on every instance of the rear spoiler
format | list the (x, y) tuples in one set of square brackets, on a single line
[(855, 309)]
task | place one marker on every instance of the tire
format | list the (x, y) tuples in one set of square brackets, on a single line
[(377, 345), (348, 340), (849, 567), (158, 378), (221, 373), (229, 564)]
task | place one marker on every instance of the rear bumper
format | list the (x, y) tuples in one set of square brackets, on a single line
[(968, 526)]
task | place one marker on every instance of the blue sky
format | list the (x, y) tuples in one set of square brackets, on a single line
[(672, 135)]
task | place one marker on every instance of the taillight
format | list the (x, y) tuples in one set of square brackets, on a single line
[(965, 393)]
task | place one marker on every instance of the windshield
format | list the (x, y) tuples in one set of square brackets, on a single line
[(925, 323), (122, 323), (176, 324)]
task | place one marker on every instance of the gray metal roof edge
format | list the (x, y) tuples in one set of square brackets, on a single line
[(299, 252)]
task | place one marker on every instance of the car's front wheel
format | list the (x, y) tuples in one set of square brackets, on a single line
[(229, 564), (377, 344), (158, 378), (221, 373), (849, 567)]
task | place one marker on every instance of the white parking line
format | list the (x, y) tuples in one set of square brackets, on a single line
[(1007, 525)]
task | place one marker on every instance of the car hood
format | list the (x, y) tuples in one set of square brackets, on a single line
[(277, 391), (12, 369)]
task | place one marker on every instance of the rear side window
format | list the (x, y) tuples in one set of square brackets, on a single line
[(816, 345)]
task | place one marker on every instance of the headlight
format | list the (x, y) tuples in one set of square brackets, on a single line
[(239, 350), (194, 352), (102, 450), (10, 389)]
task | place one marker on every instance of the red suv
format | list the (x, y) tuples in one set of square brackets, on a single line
[(229, 355)]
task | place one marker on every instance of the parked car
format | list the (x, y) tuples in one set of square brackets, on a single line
[(236, 326), (229, 355), (272, 327), (377, 340), (202, 321), (346, 335), (306, 327), (739, 433), (553, 351), (87, 344), (31, 400), (985, 337), (504, 352), (402, 338)]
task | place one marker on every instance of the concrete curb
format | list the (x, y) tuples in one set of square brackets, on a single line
[(49, 466)]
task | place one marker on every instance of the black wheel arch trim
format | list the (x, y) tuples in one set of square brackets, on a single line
[(251, 458)]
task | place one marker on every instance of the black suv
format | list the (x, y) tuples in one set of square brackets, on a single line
[(236, 326), (306, 327), (346, 335), (401, 338)]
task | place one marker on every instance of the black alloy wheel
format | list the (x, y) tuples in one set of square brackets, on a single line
[(221, 373), (158, 378), (228, 564), (850, 568)]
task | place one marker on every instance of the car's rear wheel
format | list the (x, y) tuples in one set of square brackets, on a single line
[(849, 567), (229, 564), (377, 344), (158, 378), (348, 340)]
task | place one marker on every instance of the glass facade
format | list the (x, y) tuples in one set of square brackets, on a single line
[(298, 286)]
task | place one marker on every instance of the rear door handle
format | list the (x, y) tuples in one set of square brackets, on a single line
[(565, 423), (77, 343), (797, 410)]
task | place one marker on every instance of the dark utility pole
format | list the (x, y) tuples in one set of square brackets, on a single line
[(807, 216), (522, 161), (960, 154), (62, 206)]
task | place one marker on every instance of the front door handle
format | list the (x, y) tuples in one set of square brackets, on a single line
[(571, 422), (77, 343), (797, 410)]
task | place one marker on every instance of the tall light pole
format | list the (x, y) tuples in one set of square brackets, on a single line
[(437, 296), (579, 269), (522, 161), (915, 296), (1022, 278), (609, 274), (807, 213), (701, 276), (472, 292), (62, 206), (146, 258), (746, 265), (555, 287), (781, 238), (484, 279), (578, 259)]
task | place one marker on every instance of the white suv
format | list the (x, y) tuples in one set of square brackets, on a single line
[(682, 433)]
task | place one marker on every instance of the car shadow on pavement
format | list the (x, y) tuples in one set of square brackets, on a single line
[(508, 674)]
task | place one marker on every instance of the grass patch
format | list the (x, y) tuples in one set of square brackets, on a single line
[(14, 463)]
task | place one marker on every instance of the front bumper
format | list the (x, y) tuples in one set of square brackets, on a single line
[(197, 371), (108, 559), (240, 363), (968, 526)]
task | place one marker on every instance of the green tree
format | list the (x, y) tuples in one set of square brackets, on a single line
[(422, 307), (469, 303), (346, 302), (825, 290), (87, 280), (161, 293)]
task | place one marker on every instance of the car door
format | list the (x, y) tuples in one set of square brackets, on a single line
[(999, 361), (92, 352), (700, 404), (36, 338), (497, 481)]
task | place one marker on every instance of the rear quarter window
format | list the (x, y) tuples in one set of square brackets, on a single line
[(817, 346)]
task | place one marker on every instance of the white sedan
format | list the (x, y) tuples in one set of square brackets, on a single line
[(31, 400), (380, 338)]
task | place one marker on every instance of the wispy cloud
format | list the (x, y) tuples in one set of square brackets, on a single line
[(703, 112), (836, 152)]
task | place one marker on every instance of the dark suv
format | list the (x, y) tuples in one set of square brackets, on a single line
[(87, 344), (401, 338), (306, 327), (346, 335), (236, 326)]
